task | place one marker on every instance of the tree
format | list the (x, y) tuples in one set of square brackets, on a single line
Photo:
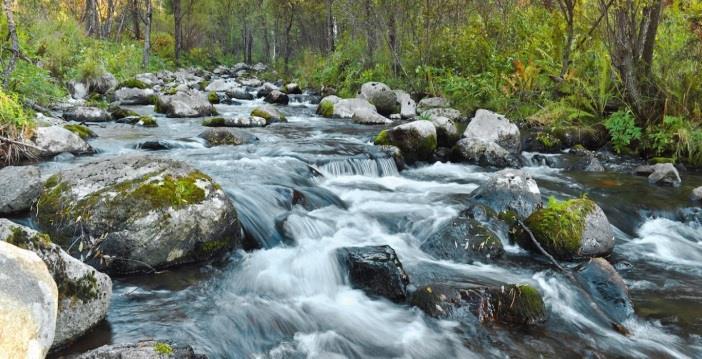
[(147, 33), (178, 29), (568, 10), (631, 29), (12, 30), (91, 17)]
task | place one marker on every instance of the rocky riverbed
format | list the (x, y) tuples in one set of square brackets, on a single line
[(215, 213)]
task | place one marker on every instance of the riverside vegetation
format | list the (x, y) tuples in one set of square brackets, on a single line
[(350, 178)]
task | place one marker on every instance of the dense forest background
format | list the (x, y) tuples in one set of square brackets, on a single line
[(629, 67)]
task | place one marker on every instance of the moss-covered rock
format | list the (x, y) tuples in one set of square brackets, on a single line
[(80, 130), (570, 229), (519, 304), (137, 213), (213, 97), (269, 113), (132, 83), (591, 138), (147, 121), (121, 112), (416, 140), (83, 293), (326, 106), (225, 136)]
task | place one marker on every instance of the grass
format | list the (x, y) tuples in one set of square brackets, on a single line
[(16, 124)]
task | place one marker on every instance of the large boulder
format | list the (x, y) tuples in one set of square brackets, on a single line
[(450, 113), (381, 96), (99, 85), (240, 121), (333, 106), (137, 213), (269, 113), (428, 103), (185, 104), (660, 174), (489, 126), (277, 97), (510, 190), (376, 270), (463, 239), (446, 131), (20, 187), (696, 194), (572, 229), (146, 349), (28, 304), (408, 108), (368, 117), (87, 114), (607, 288), (149, 79), (510, 304), (484, 153), (134, 96), (239, 93), (53, 140), (265, 89), (416, 140), (292, 89), (221, 85), (225, 136), (83, 293)]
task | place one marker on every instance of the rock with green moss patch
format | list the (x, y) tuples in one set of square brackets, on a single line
[(146, 349), (137, 214), (185, 104), (519, 304), (240, 121), (326, 106), (269, 113), (80, 130), (226, 136), (572, 229), (213, 97), (132, 83), (83, 292), (53, 140), (416, 140), (464, 240), (134, 96), (147, 121), (118, 112)]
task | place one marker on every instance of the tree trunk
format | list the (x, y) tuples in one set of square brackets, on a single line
[(568, 10), (91, 18), (177, 31), (147, 34), (370, 41), (631, 44), (330, 26), (288, 29), (136, 28), (12, 32)]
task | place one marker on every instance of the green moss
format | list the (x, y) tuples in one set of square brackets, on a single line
[(519, 304), (657, 160), (96, 100), (84, 288), (326, 109), (132, 83), (382, 138), (214, 122), (558, 227), (212, 97), (163, 348), (548, 141), (262, 114), (22, 239), (211, 247), (80, 130), (203, 85), (119, 113), (425, 147), (168, 192), (159, 106), (147, 121), (170, 91)]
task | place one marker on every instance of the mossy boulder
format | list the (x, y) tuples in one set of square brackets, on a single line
[(82, 131), (519, 304), (132, 83), (269, 113), (326, 106), (225, 136), (572, 229), (145, 349), (416, 140), (592, 138), (83, 292), (185, 104), (147, 121), (121, 112), (463, 239), (213, 97), (137, 213)]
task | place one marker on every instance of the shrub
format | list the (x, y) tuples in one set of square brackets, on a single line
[(16, 124), (622, 129)]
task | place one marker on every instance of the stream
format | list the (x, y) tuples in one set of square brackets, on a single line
[(289, 300)]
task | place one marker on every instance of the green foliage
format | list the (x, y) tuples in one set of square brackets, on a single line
[(623, 130), (80, 130), (163, 348), (676, 137), (13, 116), (212, 97), (36, 84), (132, 83)]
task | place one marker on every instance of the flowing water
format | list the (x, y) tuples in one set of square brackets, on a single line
[(289, 300)]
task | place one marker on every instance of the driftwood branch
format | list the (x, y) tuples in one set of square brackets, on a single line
[(5, 139)]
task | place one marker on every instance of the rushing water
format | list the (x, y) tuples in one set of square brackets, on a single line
[(289, 300)]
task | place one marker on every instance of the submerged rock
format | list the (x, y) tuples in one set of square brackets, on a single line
[(83, 293), (241, 121), (87, 114), (146, 349), (416, 140), (225, 136), (381, 96), (576, 228), (511, 304), (20, 187), (269, 113), (376, 270), (660, 174), (463, 239), (53, 140), (28, 304), (510, 190), (483, 153), (607, 288), (138, 213)]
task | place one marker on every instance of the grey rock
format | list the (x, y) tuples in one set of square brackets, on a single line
[(277, 97), (381, 96), (416, 140), (29, 302), (134, 96), (146, 349), (185, 104), (269, 113), (138, 213), (408, 108), (368, 117), (225, 136), (87, 114), (428, 103), (240, 121), (20, 187), (293, 89), (660, 174), (84, 293), (489, 126), (375, 270), (345, 108), (446, 131), (55, 139), (221, 85), (239, 94), (607, 288), (463, 239), (696, 194), (510, 190), (450, 113), (484, 153)]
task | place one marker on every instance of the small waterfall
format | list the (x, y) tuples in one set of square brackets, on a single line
[(370, 167)]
